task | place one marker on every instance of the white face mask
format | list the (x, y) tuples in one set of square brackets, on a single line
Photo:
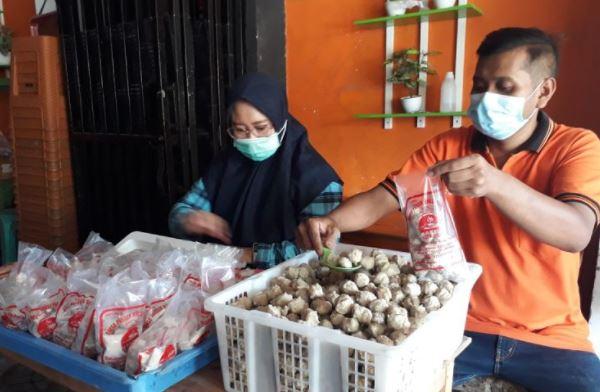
[(499, 116), (261, 148)]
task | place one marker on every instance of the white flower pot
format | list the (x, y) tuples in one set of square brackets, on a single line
[(395, 8), (412, 104), (4, 59), (444, 3)]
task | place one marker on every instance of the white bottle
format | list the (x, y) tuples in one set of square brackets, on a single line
[(448, 94)]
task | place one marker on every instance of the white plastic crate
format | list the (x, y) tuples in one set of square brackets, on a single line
[(139, 240), (251, 344)]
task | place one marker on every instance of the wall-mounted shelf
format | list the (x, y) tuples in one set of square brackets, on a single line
[(471, 9), (460, 12), (410, 115)]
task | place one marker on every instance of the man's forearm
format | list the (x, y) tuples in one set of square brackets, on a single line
[(563, 225), (364, 209)]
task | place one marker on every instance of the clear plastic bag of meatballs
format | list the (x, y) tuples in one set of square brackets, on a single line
[(433, 240)]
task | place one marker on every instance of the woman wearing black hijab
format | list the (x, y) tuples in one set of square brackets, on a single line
[(256, 192)]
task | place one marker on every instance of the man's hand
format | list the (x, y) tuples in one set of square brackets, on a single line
[(207, 223), (470, 176), (314, 232)]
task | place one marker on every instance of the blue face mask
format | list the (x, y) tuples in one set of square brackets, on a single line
[(499, 116), (260, 148)]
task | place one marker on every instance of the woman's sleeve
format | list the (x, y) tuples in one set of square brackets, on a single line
[(269, 255), (195, 199)]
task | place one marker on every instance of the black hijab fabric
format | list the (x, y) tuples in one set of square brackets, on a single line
[(261, 201)]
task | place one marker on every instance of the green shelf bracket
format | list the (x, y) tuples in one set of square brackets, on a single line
[(423, 17), (410, 115), (471, 10)]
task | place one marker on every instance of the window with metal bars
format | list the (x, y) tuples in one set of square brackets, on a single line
[(146, 84)]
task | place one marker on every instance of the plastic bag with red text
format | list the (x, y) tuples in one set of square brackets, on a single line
[(61, 262), (21, 280), (29, 256), (40, 304), (433, 240), (119, 318), (92, 250), (184, 324), (219, 267), (85, 339), (82, 286)]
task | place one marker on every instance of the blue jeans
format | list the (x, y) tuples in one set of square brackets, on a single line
[(536, 368)]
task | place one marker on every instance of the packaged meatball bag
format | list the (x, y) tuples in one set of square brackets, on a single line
[(26, 276), (82, 286), (185, 323), (60, 262), (92, 250), (120, 313), (433, 240), (40, 303)]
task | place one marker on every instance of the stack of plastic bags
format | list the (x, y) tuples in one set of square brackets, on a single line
[(131, 311)]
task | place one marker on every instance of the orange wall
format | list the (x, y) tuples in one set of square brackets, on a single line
[(17, 14), (335, 70)]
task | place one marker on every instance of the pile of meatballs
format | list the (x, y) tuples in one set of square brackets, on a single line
[(383, 301)]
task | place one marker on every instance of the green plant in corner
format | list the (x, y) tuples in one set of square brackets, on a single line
[(5, 40), (407, 66)]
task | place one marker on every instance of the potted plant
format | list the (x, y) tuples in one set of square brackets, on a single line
[(5, 45), (407, 65)]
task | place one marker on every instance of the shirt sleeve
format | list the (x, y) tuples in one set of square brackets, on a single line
[(195, 199), (268, 255), (577, 175), (418, 162)]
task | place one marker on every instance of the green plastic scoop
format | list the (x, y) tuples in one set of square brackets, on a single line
[(325, 261)]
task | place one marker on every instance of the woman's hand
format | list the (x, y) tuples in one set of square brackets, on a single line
[(209, 224)]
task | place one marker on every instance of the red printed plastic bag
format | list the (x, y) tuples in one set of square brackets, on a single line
[(160, 293), (40, 305), (81, 292), (433, 240), (92, 250), (191, 271), (119, 318), (219, 266), (113, 263), (11, 316), (171, 263), (61, 262), (184, 324), (85, 340), (197, 323), (29, 256), (19, 283)]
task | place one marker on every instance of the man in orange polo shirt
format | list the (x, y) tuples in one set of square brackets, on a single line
[(525, 195)]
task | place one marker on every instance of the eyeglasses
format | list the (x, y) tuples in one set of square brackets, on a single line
[(239, 132)]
